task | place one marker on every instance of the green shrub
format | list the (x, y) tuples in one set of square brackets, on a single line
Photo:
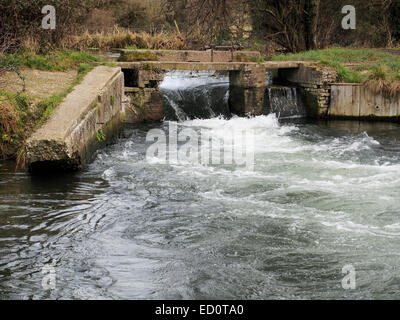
[(343, 74), (100, 135)]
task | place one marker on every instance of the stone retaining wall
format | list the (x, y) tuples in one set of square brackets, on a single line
[(246, 90), (144, 104), (145, 100), (315, 86)]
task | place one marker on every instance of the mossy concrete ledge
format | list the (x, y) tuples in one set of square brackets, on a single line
[(88, 118)]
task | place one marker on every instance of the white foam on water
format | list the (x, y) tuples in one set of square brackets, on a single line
[(324, 184), (174, 80), (180, 114), (109, 173)]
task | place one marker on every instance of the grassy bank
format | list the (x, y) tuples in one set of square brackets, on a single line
[(21, 113), (47, 106), (54, 60), (378, 69), (138, 56)]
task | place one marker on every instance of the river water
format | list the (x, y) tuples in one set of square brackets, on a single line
[(320, 196)]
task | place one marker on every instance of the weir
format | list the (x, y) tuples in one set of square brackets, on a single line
[(142, 91), (284, 101), (93, 113), (247, 85), (195, 95)]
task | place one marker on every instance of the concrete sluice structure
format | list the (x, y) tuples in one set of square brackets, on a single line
[(89, 118), (247, 85)]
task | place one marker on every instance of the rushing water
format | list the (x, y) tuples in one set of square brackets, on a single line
[(284, 102), (320, 196), (201, 95)]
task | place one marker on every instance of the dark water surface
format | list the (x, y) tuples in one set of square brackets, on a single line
[(321, 196)]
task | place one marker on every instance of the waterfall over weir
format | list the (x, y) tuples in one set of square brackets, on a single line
[(195, 95), (204, 95), (284, 102)]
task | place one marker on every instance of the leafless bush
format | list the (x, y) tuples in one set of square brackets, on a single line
[(23, 18), (122, 38), (7, 41), (209, 21)]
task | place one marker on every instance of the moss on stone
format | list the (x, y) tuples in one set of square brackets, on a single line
[(100, 135), (150, 67)]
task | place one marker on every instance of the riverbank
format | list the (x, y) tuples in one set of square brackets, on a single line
[(37, 77), (32, 86), (90, 117), (378, 69)]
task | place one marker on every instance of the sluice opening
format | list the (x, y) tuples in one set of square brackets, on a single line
[(205, 94), (195, 95)]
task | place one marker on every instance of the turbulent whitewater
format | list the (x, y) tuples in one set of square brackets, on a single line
[(319, 197)]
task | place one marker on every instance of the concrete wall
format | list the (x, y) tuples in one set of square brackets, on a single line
[(357, 101), (89, 117), (211, 66), (199, 56), (144, 104), (246, 90), (247, 85), (321, 95), (137, 77), (315, 86), (145, 100)]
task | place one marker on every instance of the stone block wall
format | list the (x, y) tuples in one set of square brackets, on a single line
[(315, 86), (246, 90), (149, 78), (144, 104), (145, 100)]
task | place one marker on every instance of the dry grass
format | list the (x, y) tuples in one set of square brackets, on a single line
[(38, 84), (381, 79), (121, 38), (11, 117), (8, 116), (30, 44), (385, 87)]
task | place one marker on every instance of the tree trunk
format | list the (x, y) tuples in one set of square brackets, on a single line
[(311, 9)]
